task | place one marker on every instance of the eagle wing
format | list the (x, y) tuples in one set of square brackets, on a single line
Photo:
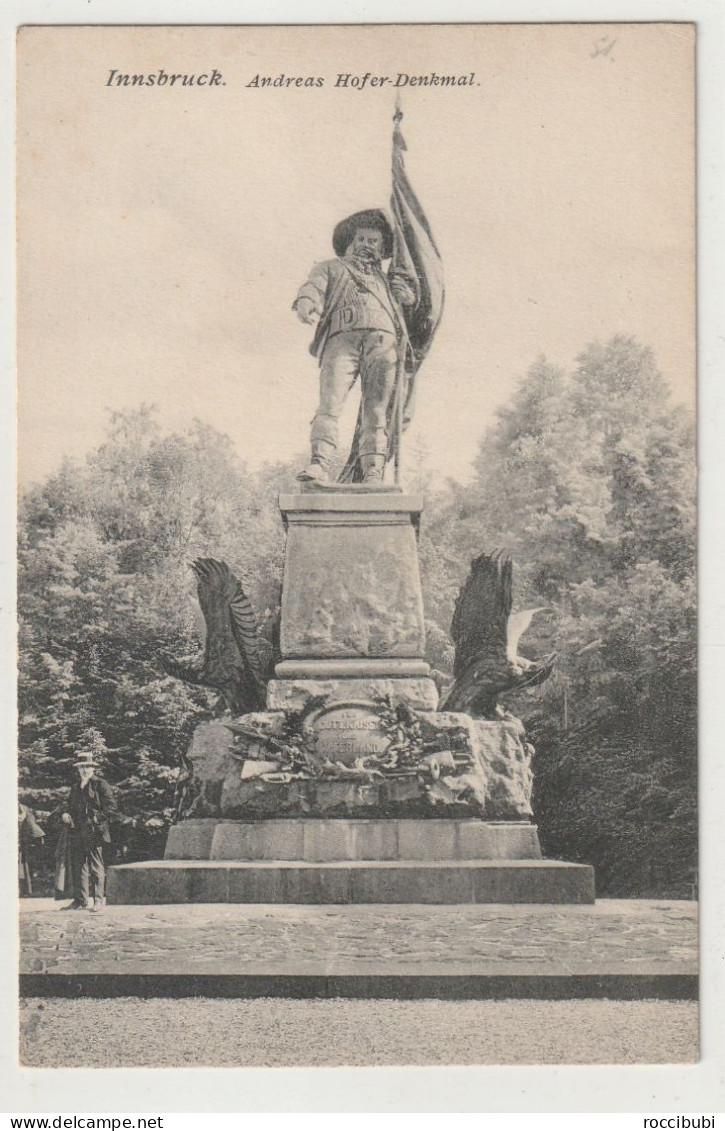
[(216, 589), (232, 652), (517, 626), (486, 638), (245, 630), (232, 662), (480, 621)]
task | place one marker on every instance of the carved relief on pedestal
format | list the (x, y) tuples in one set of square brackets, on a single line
[(346, 732), (352, 591)]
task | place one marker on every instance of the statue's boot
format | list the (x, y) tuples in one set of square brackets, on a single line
[(373, 468), (313, 471), (319, 466)]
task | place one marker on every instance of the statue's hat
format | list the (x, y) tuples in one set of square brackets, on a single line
[(370, 218), (85, 758)]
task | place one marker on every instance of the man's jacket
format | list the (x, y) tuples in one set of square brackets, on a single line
[(29, 828), (349, 299), (92, 810)]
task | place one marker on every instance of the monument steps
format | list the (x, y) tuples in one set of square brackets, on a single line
[(338, 839), (351, 881)]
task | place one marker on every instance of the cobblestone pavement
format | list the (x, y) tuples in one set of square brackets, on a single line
[(611, 936), (125, 1032)]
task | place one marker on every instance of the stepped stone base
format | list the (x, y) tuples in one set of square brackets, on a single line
[(308, 860), (310, 840), (409, 881)]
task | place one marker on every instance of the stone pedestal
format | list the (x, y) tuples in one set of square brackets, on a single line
[(295, 694), (352, 606)]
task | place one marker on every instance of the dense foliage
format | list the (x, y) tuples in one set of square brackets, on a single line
[(586, 477), (105, 590)]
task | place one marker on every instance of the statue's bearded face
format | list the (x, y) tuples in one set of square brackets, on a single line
[(367, 243)]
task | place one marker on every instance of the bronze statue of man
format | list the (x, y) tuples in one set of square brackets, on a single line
[(360, 332)]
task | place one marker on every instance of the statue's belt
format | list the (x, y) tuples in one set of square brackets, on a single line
[(350, 318)]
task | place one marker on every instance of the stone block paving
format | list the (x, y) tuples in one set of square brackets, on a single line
[(609, 937)]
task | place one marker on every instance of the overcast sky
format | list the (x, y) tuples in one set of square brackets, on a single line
[(164, 232)]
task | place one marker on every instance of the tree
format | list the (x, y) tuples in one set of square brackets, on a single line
[(104, 590), (588, 479)]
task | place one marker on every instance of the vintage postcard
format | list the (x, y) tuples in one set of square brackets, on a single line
[(357, 590)]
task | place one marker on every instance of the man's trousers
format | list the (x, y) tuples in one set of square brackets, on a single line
[(372, 355), (88, 866)]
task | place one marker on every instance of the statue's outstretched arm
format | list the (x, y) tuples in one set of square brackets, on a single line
[(312, 292)]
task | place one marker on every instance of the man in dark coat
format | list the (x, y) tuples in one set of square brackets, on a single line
[(30, 834), (360, 332), (88, 812)]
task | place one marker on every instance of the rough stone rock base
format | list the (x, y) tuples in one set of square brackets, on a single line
[(413, 882), (494, 784)]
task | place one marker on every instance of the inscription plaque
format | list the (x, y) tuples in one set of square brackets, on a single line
[(344, 732)]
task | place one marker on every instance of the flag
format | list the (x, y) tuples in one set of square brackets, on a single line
[(415, 256)]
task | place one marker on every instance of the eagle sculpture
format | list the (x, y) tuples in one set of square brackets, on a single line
[(486, 637), (232, 662)]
